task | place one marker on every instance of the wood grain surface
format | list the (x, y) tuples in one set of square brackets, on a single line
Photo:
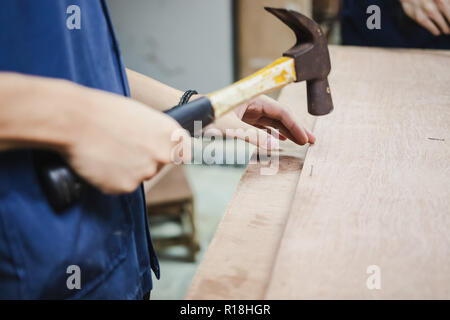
[(374, 190), (239, 260), (379, 193)]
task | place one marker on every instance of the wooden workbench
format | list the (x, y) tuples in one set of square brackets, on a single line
[(373, 198)]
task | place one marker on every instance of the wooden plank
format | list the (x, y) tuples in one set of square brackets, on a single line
[(379, 192), (240, 257)]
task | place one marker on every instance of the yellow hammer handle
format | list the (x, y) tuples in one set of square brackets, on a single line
[(275, 75)]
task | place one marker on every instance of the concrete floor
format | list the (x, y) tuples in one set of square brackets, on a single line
[(213, 187)]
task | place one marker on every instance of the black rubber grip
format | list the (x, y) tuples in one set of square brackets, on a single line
[(199, 110), (63, 188)]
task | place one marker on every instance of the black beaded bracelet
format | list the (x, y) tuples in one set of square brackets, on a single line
[(186, 96)]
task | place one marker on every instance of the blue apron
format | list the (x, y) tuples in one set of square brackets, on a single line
[(397, 29), (106, 237)]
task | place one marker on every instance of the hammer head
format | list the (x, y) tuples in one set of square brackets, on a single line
[(312, 60)]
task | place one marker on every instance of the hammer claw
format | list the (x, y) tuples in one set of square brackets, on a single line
[(311, 56), (296, 21)]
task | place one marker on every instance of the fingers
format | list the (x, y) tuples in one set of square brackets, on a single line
[(311, 137), (256, 136), (234, 127), (425, 22), (433, 12), (432, 15), (294, 133), (444, 8), (272, 114), (273, 132), (181, 151)]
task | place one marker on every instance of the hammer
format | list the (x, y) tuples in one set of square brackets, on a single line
[(308, 60)]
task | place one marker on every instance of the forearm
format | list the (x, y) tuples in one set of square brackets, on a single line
[(152, 92), (38, 112), (163, 97)]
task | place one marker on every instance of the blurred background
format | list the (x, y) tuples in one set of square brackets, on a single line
[(202, 45)]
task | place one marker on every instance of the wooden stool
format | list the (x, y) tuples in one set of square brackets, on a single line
[(169, 198)]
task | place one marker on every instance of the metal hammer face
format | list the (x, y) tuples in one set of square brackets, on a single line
[(312, 60)]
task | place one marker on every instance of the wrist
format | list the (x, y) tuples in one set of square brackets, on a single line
[(69, 108)]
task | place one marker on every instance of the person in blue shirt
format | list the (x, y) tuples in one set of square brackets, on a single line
[(404, 24), (64, 89)]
